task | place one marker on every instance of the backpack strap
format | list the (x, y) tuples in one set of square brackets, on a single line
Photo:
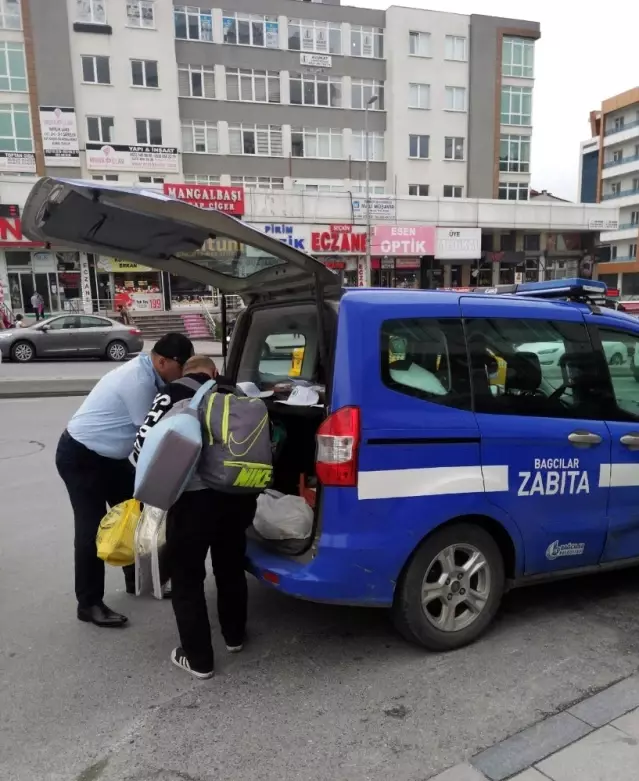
[(190, 383), (203, 390)]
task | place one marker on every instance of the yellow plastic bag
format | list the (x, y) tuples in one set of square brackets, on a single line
[(117, 532)]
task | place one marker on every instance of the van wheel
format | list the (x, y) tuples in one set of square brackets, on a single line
[(451, 590)]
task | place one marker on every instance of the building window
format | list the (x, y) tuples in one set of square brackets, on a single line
[(100, 130), (260, 140), (532, 242), (140, 13), (619, 123), (200, 137), (151, 179), (419, 44), (258, 182), (10, 17), (201, 179), (252, 86), (617, 156), (518, 57), (455, 98), (375, 188), (453, 148), (91, 11), (614, 249), (362, 90), (15, 128), (419, 96), (375, 146), (513, 191), (456, 48), (634, 218), (453, 191), (366, 41), (419, 189), (13, 68), (196, 81), (323, 143), (514, 154), (418, 146), (316, 90), (516, 106), (310, 36), (251, 30), (149, 131), (635, 184), (95, 70), (144, 73), (632, 251), (193, 24), (105, 177), (615, 188), (319, 186)]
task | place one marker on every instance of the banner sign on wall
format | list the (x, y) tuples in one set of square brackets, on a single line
[(85, 285), (60, 136), (223, 199), (458, 244), (114, 157), (337, 240), (403, 240), (17, 162), (381, 208), (296, 236), (118, 266)]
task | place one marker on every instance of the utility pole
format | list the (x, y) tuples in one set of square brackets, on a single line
[(367, 274)]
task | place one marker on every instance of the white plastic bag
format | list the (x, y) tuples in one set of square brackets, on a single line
[(283, 517), (150, 539)]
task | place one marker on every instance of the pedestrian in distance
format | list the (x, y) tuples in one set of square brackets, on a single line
[(37, 302), (93, 460)]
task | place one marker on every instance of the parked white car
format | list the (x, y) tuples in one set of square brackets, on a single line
[(550, 353)]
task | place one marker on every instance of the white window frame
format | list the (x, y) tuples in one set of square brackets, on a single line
[(310, 43), (456, 191), (315, 79), (267, 183), (149, 179), (105, 132), (91, 11), (207, 76), (456, 48), (189, 10), (635, 184), (320, 186), (518, 188), (457, 148), (333, 136), (145, 77), (268, 81), (200, 134), (377, 41), (105, 177), (201, 179), (375, 188), (519, 70), (615, 188), (419, 96), (273, 135), (375, 146), (264, 19), (632, 250), (420, 143), (456, 99), (12, 109), (366, 89), (147, 122), (518, 165), (506, 118), (5, 16), (417, 188), (142, 22), (95, 58), (5, 48), (634, 218), (419, 44)]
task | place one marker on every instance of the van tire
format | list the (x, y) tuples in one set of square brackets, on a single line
[(410, 614)]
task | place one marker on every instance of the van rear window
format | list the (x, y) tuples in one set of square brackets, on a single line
[(426, 358)]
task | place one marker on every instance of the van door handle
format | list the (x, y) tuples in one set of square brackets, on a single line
[(631, 441), (584, 438)]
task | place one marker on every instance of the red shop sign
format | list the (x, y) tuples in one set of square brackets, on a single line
[(330, 241), (336, 265), (343, 228), (223, 199), (11, 234)]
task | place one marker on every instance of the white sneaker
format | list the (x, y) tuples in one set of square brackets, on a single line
[(179, 659), (234, 649)]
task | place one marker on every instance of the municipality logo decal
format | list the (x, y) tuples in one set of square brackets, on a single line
[(557, 551)]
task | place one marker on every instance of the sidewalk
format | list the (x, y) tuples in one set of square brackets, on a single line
[(595, 740)]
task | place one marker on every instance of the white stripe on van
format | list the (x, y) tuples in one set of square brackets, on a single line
[(432, 481), (618, 475)]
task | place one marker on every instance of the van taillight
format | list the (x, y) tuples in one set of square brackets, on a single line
[(337, 445)]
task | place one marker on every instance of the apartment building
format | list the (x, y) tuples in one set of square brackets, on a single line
[(609, 173)]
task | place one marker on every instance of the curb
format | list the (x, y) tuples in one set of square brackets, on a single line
[(535, 743), (46, 387)]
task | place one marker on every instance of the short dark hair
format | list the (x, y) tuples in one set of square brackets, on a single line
[(174, 346)]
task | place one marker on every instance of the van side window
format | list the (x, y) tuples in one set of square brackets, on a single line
[(621, 352), (550, 368), (426, 358)]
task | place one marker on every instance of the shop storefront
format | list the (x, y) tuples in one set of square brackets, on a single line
[(458, 252), (403, 257), (121, 283)]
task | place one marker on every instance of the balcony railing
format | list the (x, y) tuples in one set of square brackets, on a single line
[(627, 126), (623, 259), (625, 226), (621, 194), (623, 160)]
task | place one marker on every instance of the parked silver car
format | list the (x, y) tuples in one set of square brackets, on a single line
[(71, 336)]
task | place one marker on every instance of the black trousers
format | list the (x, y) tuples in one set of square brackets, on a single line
[(200, 520), (93, 482)]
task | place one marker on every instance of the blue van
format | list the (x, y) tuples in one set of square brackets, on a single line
[(465, 443)]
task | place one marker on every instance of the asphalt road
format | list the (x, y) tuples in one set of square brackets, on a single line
[(322, 693)]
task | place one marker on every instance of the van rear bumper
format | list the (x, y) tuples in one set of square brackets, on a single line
[(332, 576)]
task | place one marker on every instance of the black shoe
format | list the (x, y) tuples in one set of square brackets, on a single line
[(130, 587), (101, 615), (179, 659)]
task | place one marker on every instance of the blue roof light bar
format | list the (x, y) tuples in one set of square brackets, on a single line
[(573, 288)]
